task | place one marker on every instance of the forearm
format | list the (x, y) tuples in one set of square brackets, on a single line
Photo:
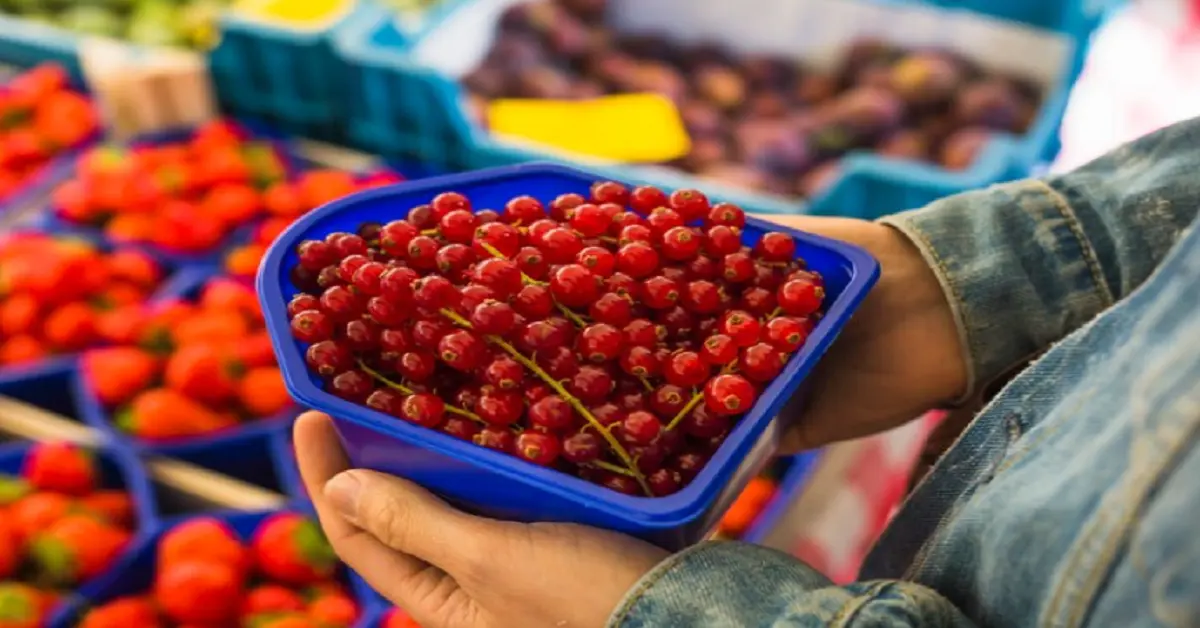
[(736, 584), (1026, 263)]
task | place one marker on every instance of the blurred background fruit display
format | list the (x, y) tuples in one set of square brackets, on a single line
[(761, 121), (184, 23)]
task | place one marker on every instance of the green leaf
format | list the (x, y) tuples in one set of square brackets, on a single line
[(12, 489)]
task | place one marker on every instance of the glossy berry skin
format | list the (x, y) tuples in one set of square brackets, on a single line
[(737, 268), (691, 204), (581, 448), (637, 259), (726, 214), (786, 334), (611, 308), (640, 362), (352, 385), (315, 254), (501, 275), (422, 253), (538, 448), (702, 297), (416, 366), (664, 482), (641, 428), (702, 423), (742, 326), (758, 301), (597, 259), (800, 297), (589, 220), (328, 358), (551, 414), (461, 350), (447, 202), (504, 373), (719, 350), (341, 304), (458, 226), (619, 483), (574, 286), (532, 262), (775, 247), (452, 260), (686, 369), (681, 244), (660, 292), (361, 335), (387, 401), (667, 400), (302, 302), (311, 326), (500, 407), (493, 317), (599, 342), (386, 313), (609, 192), (534, 302), (761, 362), (645, 198), (561, 246), (729, 395), (643, 333), (504, 239), (561, 206), (496, 438), (637, 232), (434, 292), (395, 236), (524, 210), (461, 428), (661, 221), (591, 384)]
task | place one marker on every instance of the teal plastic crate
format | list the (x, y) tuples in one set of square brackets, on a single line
[(406, 102)]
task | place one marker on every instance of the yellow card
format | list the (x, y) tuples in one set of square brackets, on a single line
[(637, 128), (298, 13)]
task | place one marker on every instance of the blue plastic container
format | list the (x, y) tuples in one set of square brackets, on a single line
[(405, 106), (118, 469), (136, 576), (246, 439), (286, 468), (791, 486), (497, 485)]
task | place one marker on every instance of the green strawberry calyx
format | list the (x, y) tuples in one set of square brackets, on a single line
[(313, 547), (55, 560), (15, 603), (12, 489)]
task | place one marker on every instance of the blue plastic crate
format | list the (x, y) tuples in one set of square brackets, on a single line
[(286, 468), (495, 484), (136, 575), (404, 106), (207, 449), (119, 469), (26, 43)]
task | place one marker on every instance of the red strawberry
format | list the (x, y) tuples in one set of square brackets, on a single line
[(284, 621), (335, 610), (204, 373), (135, 267), (163, 414), (118, 374), (205, 537), (292, 549), (113, 506), (21, 606), (397, 618), (199, 591), (10, 548), (270, 599), (77, 548), (126, 612), (37, 512), (60, 467)]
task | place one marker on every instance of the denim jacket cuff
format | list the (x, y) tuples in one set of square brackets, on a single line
[(1016, 268)]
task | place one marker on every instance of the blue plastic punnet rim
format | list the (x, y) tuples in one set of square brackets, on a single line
[(659, 512)]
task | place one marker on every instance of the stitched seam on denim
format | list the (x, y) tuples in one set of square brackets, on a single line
[(846, 613), (957, 304), (649, 580), (1085, 245)]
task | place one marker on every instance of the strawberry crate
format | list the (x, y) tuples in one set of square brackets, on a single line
[(408, 101)]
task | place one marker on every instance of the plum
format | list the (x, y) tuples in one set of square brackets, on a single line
[(927, 77), (905, 144), (832, 140), (816, 87), (868, 112), (993, 103), (701, 118), (570, 39), (586, 9), (543, 82), (864, 53), (774, 147), (705, 152), (767, 72), (486, 80), (514, 51), (961, 149), (720, 85)]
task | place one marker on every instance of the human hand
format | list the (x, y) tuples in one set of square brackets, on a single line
[(899, 356), (447, 568)]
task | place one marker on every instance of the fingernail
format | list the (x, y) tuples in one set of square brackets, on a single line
[(342, 491)]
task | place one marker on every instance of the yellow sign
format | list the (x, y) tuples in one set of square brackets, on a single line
[(636, 128), (300, 13)]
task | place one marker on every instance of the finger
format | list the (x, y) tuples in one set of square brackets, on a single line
[(407, 581), (409, 519)]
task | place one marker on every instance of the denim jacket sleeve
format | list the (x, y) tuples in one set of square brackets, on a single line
[(724, 584), (1024, 264)]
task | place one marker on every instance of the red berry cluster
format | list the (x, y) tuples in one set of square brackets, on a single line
[(617, 337)]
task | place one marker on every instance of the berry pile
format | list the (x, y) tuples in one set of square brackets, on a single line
[(603, 336), (187, 368), (206, 576), (40, 118), (58, 529), (182, 197), (397, 618), (60, 295), (286, 201)]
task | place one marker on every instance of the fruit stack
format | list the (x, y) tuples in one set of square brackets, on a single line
[(286, 201), (265, 571), (186, 23), (62, 295), (617, 337), (189, 368), (40, 119), (61, 526), (180, 197), (760, 121)]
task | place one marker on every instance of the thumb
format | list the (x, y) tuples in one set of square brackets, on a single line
[(410, 520)]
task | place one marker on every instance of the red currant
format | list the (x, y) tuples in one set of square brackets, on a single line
[(742, 326), (776, 247), (703, 423), (447, 202), (664, 482), (422, 253), (737, 268), (800, 297), (361, 335), (611, 308), (561, 246), (559, 363), (637, 259), (660, 293), (702, 268), (761, 362), (460, 428), (719, 350), (721, 240), (560, 207), (312, 326), (534, 302), (609, 192), (461, 350), (315, 254), (619, 483), (346, 244), (424, 409), (589, 220), (500, 407), (395, 285), (328, 358), (591, 384), (644, 199), (457, 226), (504, 373), (352, 385), (668, 400), (640, 362), (685, 369), (393, 343), (729, 395), (691, 204), (786, 334), (689, 464), (395, 237), (427, 333), (524, 210), (387, 401), (599, 260), (758, 301), (581, 448), (422, 217), (662, 220), (541, 335), (505, 239), (540, 449), (417, 366), (681, 244), (501, 275), (551, 414), (677, 321), (621, 284), (641, 428), (643, 333), (497, 439), (727, 214), (532, 262), (350, 265), (473, 295), (599, 342), (434, 292), (302, 302), (702, 297), (493, 317), (341, 304), (574, 286), (635, 233), (453, 259)]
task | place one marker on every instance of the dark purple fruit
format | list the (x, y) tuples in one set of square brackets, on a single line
[(868, 112), (927, 78), (905, 144), (960, 150), (816, 88), (701, 118), (773, 147), (993, 103)]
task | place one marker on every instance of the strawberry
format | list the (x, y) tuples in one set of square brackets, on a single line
[(336, 610), (19, 314), (202, 536), (217, 327), (12, 490), (262, 392), (270, 599), (60, 467), (126, 612), (114, 506), (292, 549), (22, 349), (397, 618), (270, 230), (118, 374), (199, 591), (229, 295), (324, 185), (281, 621), (70, 327), (243, 261), (10, 548), (255, 350), (37, 512), (232, 203), (77, 548), (21, 606), (284, 199), (162, 414), (135, 267), (131, 228), (123, 325), (203, 373)]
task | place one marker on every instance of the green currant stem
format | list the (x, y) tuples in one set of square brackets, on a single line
[(530, 281), (645, 382), (562, 392), (408, 391), (697, 397), (612, 468), (609, 239), (430, 232)]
